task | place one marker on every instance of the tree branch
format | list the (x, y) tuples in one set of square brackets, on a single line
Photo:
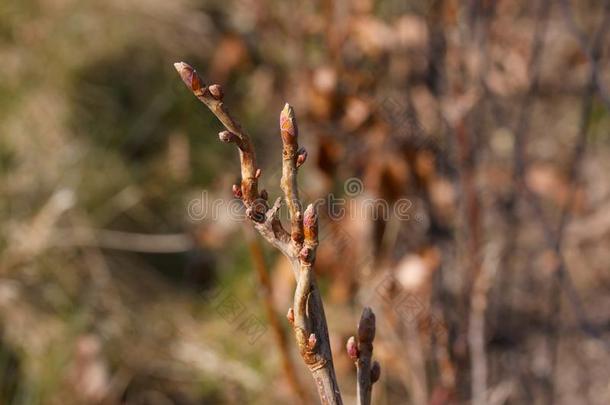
[(212, 97), (361, 351), (307, 318), (280, 336), (289, 132)]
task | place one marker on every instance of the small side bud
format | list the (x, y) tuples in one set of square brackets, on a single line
[(366, 326), (301, 157), (216, 91), (237, 191), (310, 223), (226, 136), (288, 125), (257, 174), (311, 342), (352, 348), (375, 372), (290, 316), (190, 77)]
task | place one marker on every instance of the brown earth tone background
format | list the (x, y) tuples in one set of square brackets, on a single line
[(468, 142)]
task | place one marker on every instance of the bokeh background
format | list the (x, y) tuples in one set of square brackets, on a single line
[(490, 117)]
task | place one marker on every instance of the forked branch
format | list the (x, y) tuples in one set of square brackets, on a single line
[(265, 218), (299, 246)]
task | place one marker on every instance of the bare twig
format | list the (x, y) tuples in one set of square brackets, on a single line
[(266, 220), (307, 317), (589, 52), (212, 97), (476, 326), (360, 350), (289, 131), (119, 240), (561, 272)]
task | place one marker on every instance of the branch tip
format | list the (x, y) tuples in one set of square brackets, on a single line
[(288, 124), (307, 315), (366, 326), (190, 77), (310, 216), (367, 371), (310, 224)]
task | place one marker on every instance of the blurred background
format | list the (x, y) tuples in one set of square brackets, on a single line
[(483, 125)]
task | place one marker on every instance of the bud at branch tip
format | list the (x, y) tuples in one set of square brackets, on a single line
[(190, 77), (288, 124), (310, 217), (366, 326)]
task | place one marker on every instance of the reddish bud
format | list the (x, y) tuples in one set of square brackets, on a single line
[(311, 342), (375, 372), (190, 77), (257, 174), (310, 223), (237, 191), (301, 157), (352, 348), (216, 91), (366, 327), (288, 124), (310, 217), (290, 315)]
